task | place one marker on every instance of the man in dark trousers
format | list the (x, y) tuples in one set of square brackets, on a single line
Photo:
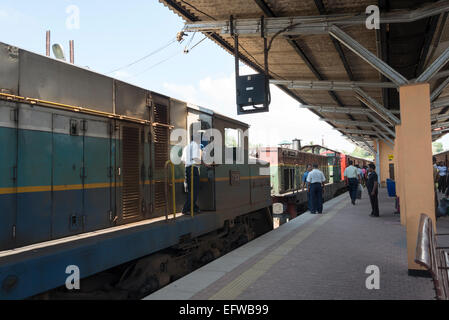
[(373, 185), (191, 156), (315, 184), (352, 180)]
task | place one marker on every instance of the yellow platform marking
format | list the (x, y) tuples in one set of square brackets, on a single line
[(242, 282)]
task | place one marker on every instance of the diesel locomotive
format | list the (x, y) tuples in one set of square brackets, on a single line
[(86, 184)]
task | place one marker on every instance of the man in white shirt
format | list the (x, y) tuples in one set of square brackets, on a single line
[(352, 180), (191, 156), (315, 185)]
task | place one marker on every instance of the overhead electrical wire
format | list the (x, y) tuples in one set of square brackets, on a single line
[(144, 57), (166, 59)]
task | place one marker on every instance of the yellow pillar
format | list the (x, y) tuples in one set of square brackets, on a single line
[(385, 153), (415, 160)]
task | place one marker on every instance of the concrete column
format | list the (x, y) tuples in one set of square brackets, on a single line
[(415, 160), (385, 152)]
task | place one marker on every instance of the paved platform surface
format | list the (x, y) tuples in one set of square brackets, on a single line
[(314, 257)]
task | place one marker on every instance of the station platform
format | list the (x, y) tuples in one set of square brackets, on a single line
[(314, 257)]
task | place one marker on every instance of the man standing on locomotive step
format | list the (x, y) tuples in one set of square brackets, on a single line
[(191, 156), (315, 184), (352, 180)]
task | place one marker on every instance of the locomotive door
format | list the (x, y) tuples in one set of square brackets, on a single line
[(206, 197), (130, 173), (97, 174)]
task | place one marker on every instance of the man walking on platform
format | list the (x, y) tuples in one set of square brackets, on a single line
[(315, 184), (352, 180), (373, 185)]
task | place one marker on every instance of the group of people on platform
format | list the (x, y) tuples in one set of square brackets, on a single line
[(314, 180)]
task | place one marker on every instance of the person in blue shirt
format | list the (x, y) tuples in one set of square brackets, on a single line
[(304, 185), (304, 176)]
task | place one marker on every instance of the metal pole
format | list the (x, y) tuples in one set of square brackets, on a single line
[(47, 44), (378, 161), (72, 51), (173, 189), (191, 190)]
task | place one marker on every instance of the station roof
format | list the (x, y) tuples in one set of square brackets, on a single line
[(311, 60)]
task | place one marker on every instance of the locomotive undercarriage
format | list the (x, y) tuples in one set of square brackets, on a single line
[(141, 277)]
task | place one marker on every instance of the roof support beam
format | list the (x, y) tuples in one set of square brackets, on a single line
[(368, 145), (440, 89), (440, 125), (267, 11), (440, 103), (332, 85), (362, 124), (322, 10), (436, 66), (350, 122), (385, 138), (335, 109), (381, 124), (362, 143), (353, 131), (439, 117), (368, 56), (377, 107), (314, 24), (435, 133)]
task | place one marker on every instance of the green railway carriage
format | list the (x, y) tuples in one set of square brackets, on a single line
[(287, 166)]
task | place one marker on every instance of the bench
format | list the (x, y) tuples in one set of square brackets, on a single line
[(435, 259)]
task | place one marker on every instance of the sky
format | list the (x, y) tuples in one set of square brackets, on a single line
[(110, 35)]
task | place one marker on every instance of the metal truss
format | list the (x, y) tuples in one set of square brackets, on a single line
[(440, 103), (332, 85), (354, 131), (311, 24), (350, 122), (346, 109), (440, 125), (438, 90), (332, 25)]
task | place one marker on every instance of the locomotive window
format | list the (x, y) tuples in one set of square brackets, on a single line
[(232, 138)]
